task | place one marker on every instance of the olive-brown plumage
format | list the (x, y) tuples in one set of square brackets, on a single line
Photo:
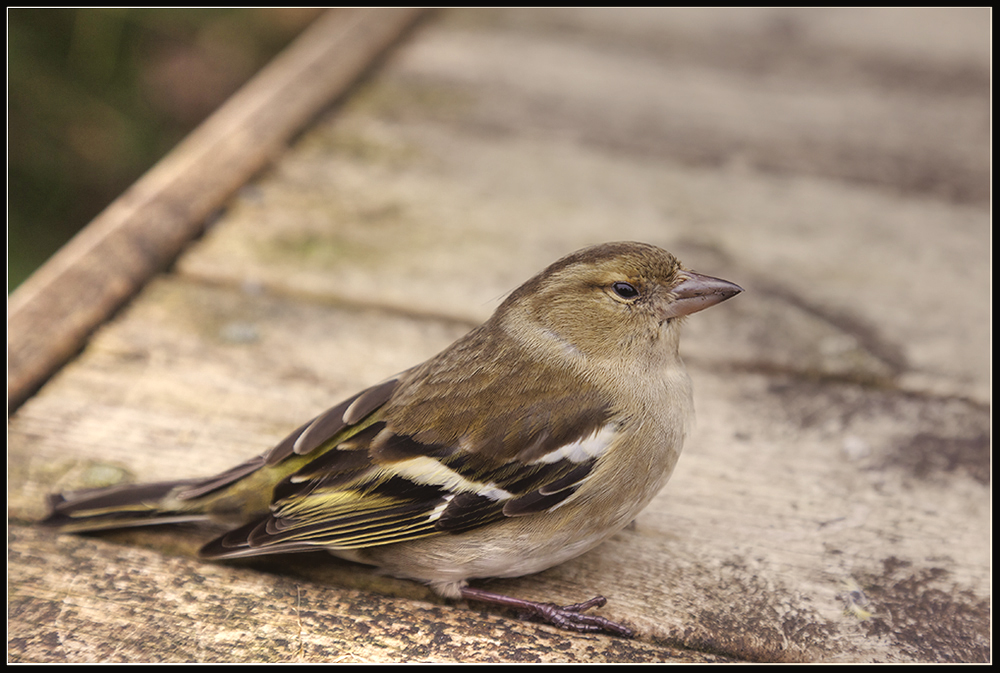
[(524, 444)]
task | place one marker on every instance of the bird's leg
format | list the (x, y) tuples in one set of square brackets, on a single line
[(567, 617)]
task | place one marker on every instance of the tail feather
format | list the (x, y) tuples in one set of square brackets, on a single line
[(120, 507), (146, 504)]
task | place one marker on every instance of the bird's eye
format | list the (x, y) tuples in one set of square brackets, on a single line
[(625, 290)]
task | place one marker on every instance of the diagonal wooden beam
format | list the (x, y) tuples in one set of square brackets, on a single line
[(52, 314)]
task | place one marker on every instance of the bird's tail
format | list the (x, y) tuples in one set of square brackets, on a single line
[(162, 502), (121, 507)]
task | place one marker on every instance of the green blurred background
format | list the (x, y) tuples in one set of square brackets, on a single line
[(96, 96)]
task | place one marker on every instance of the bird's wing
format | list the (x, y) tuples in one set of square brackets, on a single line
[(380, 468)]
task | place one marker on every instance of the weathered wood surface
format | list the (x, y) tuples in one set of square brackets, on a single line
[(143, 231), (834, 501)]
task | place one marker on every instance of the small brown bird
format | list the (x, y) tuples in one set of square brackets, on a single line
[(524, 444)]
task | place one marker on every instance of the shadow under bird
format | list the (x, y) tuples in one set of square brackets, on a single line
[(522, 445)]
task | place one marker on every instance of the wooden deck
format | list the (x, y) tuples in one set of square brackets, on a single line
[(834, 503)]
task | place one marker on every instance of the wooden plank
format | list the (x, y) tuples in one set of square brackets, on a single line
[(51, 314), (112, 604)]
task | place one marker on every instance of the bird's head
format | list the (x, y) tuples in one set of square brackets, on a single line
[(610, 302)]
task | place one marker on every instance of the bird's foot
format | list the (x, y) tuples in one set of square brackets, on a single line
[(567, 617)]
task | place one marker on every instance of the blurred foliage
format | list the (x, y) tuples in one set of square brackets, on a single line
[(96, 96)]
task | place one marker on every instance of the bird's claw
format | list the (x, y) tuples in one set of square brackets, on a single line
[(570, 617)]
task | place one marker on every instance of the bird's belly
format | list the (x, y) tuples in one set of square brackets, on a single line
[(510, 549)]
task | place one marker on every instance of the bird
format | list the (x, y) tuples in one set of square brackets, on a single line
[(525, 443)]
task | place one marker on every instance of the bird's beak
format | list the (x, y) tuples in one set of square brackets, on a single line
[(697, 292)]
